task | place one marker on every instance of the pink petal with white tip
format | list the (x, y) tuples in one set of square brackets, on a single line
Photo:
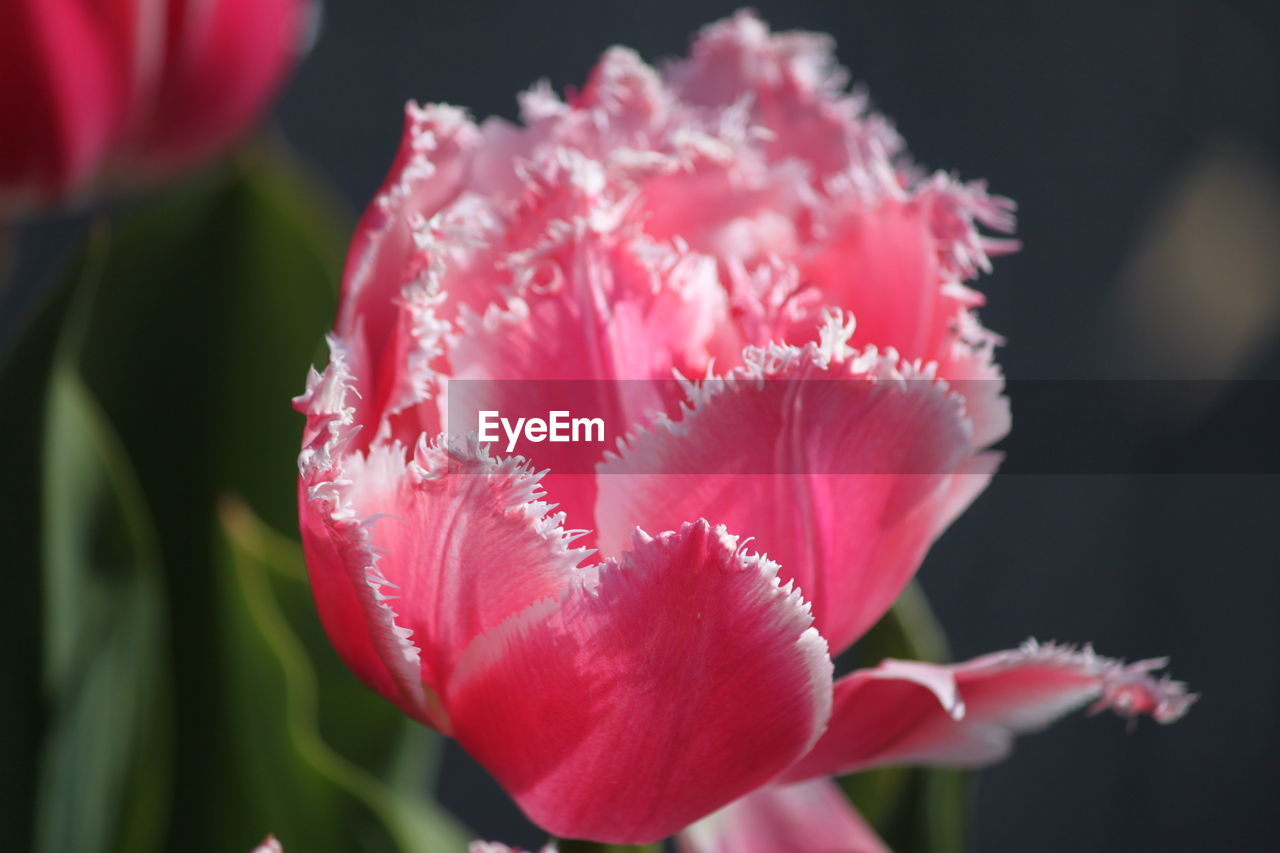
[(811, 817), (390, 539), (792, 86), (839, 464), (393, 313), (684, 677), (429, 171), (967, 714), (341, 561), (895, 261), (464, 542)]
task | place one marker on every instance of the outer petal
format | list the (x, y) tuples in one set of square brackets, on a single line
[(839, 465), (907, 712), (684, 679), (393, 309), (222, 63), (463, 543), (61, 99), (429, 171), (499, 847), (341, 562), (454, 540), (811, 817), (895, 262)]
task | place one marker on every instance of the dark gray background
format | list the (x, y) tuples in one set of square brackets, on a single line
[(1120, 129)]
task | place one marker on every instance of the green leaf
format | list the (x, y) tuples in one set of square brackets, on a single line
[(24, 386), (211, 302), (105, 757), (293, 784), (184, 338), (916, 810)]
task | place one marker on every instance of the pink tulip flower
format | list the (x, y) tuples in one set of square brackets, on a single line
[(123, 91), (737, 218)]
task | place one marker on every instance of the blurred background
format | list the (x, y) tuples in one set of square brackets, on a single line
[(1141, 141)]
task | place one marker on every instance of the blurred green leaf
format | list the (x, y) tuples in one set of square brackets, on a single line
[(24, 385), (915, 809), (213, 303), (189, 331), (210, 304), (295, 785), (105, 758)]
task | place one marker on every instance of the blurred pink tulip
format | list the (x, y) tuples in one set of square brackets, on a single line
[(128, 91), (726, 219)]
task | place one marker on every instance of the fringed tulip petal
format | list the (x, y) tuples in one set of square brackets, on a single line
[(341, 561), (793, 89), (967, 714), (841, 465), (452, 524), (684, 677), (459, 527), (392, 303)]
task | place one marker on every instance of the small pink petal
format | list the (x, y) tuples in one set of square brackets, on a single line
[(684, 678), (269, 845), (967, 714), (811, 817), (842, 467)]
